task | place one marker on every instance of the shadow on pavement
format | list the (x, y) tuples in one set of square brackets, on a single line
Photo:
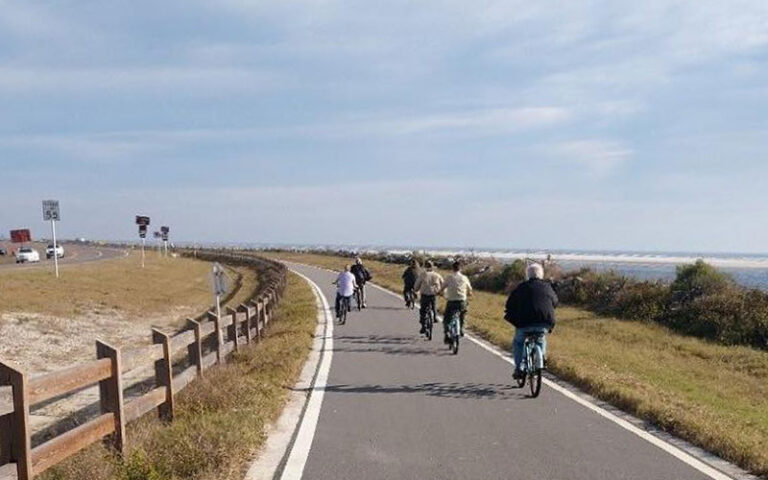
[(487, 391)]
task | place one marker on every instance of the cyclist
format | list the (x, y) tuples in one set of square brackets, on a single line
[(409, 280), (456, 290), (531, 309), (429, 284), (362, 275), (345, 287)]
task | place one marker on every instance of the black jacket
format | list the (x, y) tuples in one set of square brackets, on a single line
[(361, 274), (409, 277), (531, 304)]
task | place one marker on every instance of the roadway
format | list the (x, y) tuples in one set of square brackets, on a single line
[(73, 254), (397, 406)]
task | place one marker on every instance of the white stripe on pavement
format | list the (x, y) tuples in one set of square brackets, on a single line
[(297, 459)]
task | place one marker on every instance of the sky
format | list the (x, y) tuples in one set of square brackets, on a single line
[(595, 125)]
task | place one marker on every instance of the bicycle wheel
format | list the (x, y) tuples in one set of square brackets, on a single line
[(428, 326), (455, 345), (534, 373)]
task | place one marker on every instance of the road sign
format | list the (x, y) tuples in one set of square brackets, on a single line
[(157, 234), (142, 220), (21, 236), (218, 280), (165, 230), (142, 231), (51, 211)]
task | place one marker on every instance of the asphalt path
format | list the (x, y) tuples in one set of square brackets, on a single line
[(73, 254), (398, 406)]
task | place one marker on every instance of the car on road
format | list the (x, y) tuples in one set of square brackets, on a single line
[(49, 251), (3, 252), (26, 254)]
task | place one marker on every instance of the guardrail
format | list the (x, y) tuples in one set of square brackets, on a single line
[(178, 360)]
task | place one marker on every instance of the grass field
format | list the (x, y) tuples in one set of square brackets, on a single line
[(712, 395), (119, 284), (221, 419), (49, 322)]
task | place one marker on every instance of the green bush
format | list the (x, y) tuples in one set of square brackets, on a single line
[(697, 280), (701, 301), (500, 278), (645, 301)]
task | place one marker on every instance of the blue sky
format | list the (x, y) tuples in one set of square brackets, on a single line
[(590, 124)]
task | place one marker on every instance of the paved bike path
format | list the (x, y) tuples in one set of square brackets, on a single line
[(398, 406)]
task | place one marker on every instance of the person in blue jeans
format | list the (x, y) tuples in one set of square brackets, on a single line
[(531, 309)]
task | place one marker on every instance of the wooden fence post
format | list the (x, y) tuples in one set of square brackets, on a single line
[(15, 441), (244, 308), (257, 304), (111, 394), (232, 328), (217, 334), (164, 374), (265, 302), (195, 350)]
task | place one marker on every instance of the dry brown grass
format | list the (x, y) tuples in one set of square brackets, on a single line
[(50, 323), (119, 285), (712, 395), (221, 419)]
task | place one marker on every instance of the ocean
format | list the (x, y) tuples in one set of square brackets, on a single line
[(749, 270)]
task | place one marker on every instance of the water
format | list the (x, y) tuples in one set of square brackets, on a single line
[(749, 270)]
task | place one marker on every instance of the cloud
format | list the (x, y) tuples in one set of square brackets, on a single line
[(596, 157), (204, 81), (484, 122)]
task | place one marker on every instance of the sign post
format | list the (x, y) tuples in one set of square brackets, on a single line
[(51, 212), (219, 285), (143, 222), (165, 231)]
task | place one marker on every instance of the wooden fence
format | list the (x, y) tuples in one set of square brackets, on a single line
[(177, 359)]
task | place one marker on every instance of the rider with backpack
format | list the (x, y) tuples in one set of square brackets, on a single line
[(362, 275)]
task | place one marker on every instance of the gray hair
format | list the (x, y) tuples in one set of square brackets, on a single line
[(535, 270)]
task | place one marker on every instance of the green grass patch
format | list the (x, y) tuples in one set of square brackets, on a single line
[(712, 395), (221, 419)]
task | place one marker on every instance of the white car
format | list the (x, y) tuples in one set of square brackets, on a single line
[(26, 254), (49, 251)]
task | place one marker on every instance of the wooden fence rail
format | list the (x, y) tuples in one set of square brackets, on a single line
[(203, 344)]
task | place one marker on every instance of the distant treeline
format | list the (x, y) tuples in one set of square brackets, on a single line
[(701, 301)]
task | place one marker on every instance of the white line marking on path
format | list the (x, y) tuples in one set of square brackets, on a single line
[(670, 449), (297, 459)]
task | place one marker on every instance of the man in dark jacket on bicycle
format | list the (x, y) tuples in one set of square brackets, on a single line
[(362, 275), (531, 309), (410, 275)]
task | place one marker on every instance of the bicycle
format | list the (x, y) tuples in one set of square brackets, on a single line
[(533, 363), (429, 319), (410, 299), (344, 308), (453, 331)]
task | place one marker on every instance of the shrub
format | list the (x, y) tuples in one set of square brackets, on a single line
[(698, 279), (500, 278), (645, 301)]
